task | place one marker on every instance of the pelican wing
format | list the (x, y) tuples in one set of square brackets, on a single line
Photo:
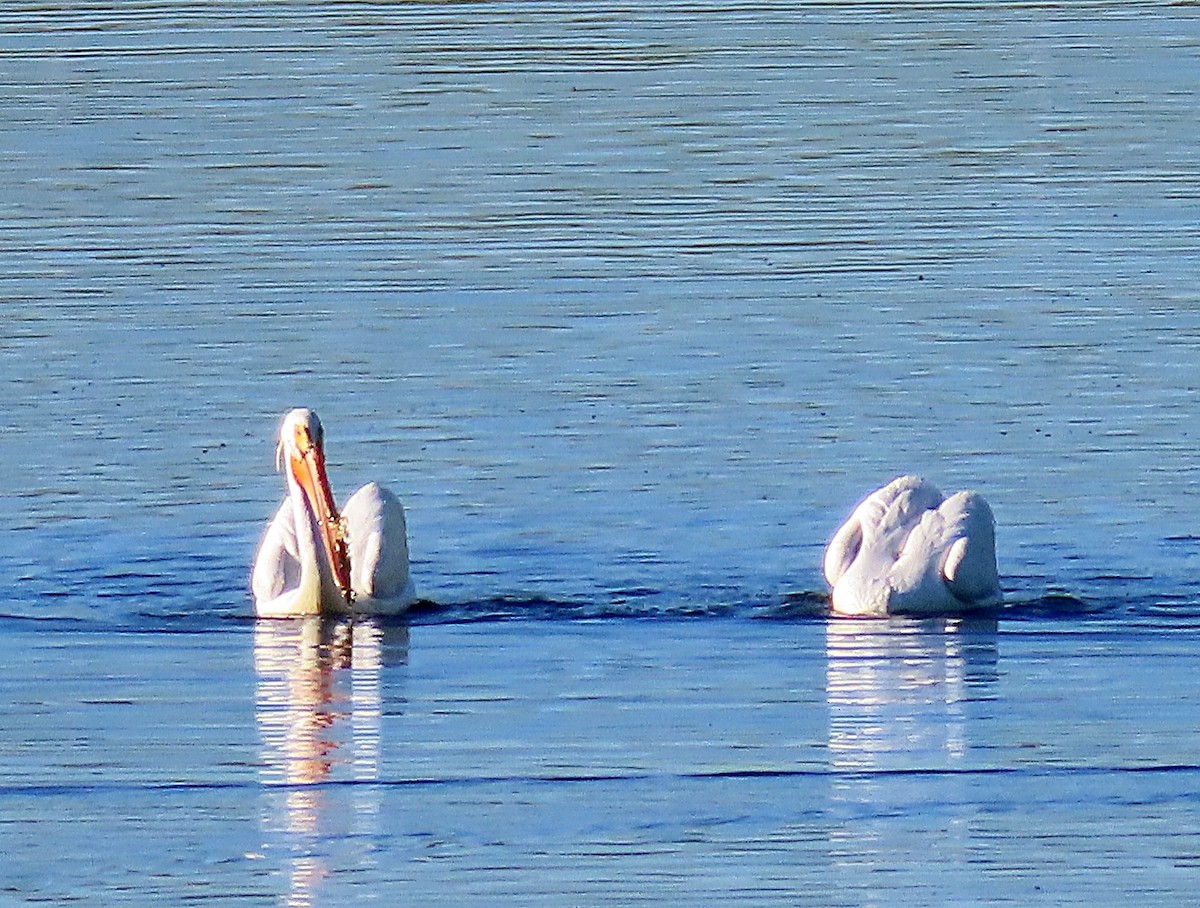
[(843, 549), (903, 502), (277, 565), (378, 541), (880, 525)]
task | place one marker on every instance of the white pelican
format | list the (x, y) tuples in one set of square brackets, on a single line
[(908, 550), (314, 561)]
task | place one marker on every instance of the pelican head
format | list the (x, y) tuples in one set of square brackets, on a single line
[(301, 456), (300, 432)]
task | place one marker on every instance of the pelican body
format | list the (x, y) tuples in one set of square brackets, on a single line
[(314, 560), (907, 549)]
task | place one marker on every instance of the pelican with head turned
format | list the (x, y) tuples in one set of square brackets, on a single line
[(907, 549), (314, 560)]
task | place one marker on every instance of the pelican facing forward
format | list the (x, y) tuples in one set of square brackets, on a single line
[(313, 560), (908, 550)]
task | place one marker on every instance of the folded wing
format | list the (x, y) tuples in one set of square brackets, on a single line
[(377, 537)]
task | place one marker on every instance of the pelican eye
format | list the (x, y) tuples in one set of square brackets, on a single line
[(302, 439)]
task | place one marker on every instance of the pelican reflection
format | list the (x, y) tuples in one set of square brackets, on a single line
[(906, 702), (900, 692), (319, 709)]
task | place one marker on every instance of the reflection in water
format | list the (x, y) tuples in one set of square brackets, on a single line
[(319, 711), (898, 690), (902, 697)]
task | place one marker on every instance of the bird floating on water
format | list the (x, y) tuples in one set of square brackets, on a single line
[(909, 550), (314, 560)]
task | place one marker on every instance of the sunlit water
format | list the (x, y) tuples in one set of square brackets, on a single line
[(630, 307)]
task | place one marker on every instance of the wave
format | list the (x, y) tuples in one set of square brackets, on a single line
[(184, 592), (794, 606)]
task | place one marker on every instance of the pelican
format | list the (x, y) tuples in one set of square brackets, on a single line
[(907, 549), (314, 561)]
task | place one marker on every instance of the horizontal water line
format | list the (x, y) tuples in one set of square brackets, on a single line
[(55, 789)]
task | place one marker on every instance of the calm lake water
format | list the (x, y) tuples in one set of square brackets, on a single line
[(630, 305)]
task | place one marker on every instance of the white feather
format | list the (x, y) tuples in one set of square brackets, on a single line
[(916, 553)]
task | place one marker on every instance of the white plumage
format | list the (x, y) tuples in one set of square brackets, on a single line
[(907, 549), (313, 560)]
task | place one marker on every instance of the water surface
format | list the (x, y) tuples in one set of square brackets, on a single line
[(610, 762), (630, 306)]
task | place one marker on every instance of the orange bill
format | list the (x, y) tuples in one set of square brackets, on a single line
[(309, 469)]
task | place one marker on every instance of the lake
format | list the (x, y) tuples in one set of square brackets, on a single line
[(630, 305)]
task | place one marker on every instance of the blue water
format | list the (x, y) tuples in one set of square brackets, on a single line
[(630, 306)]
